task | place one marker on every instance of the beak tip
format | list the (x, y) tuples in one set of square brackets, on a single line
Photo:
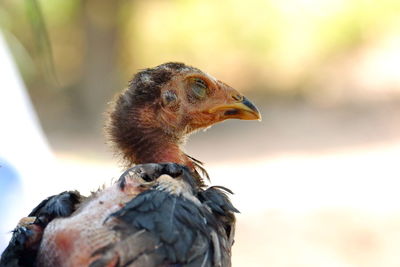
[(252, 108)]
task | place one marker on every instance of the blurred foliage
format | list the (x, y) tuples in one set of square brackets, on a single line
[(272, 47)]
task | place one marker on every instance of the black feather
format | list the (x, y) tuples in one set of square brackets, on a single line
[(17, 254), (61, 205), (217, 200), (22, 250), (174, 221)]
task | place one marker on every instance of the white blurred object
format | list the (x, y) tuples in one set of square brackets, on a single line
[(22, 145)]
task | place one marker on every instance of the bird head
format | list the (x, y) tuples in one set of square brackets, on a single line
[(150, 120)]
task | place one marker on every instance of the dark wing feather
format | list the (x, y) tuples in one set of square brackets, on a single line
[(23, 246), (61, 205), (160, 229), (17, 253), (224, 212)]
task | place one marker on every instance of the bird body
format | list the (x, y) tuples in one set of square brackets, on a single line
[(160, 212), (71, 241), (154, 215)]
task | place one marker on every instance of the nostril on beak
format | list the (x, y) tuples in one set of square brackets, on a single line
[(237, 97)]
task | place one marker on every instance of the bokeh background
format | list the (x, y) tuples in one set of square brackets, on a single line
[(317, 181)]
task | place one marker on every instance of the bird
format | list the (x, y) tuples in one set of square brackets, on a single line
[(160, 212)]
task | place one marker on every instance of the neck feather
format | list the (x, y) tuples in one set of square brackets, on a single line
[(155, 147), (141, 142)]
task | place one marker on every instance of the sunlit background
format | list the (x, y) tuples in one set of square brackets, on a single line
[(317, 181)]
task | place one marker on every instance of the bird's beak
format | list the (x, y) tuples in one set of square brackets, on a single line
[(241, 109)]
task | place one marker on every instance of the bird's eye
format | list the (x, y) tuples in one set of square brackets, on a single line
[(199, 88)]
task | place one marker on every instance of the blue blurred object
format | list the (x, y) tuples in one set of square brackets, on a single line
[(10, 193), (9, 181)]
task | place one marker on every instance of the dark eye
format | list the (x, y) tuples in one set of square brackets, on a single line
[(199, 88)]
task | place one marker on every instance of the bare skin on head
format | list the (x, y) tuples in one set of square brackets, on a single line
[(162, 106)]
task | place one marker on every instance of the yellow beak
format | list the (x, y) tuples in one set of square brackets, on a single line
[(243, 110)]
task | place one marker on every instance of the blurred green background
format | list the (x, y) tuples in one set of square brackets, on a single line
[(326, 52), (317, 177)]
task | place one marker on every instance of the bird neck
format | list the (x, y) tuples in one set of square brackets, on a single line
[(153, 145), (140, 140), (156, 148)]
